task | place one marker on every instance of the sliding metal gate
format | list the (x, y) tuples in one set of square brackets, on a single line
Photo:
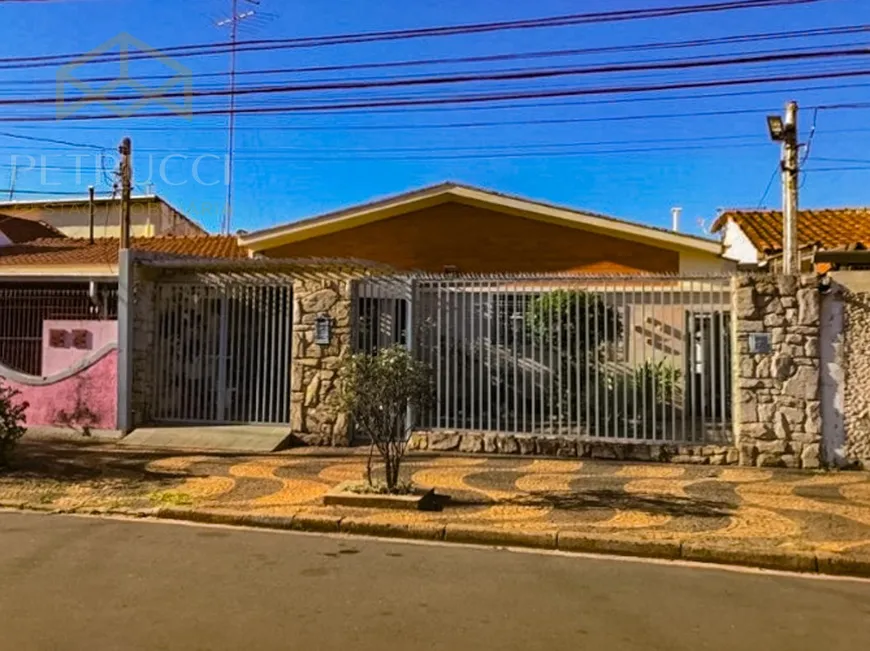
[(222, 353)]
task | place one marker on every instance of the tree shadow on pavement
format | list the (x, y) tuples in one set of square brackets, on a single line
[(609, 499), (67, 461)]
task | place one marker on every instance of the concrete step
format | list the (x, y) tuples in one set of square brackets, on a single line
[(222, 438)]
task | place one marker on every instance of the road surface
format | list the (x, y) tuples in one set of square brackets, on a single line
[(86, 583)]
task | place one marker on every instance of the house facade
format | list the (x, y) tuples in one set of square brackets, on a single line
[(457, 228)]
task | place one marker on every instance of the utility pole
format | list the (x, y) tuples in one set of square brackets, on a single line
[(786, 132), (126, 174), (790, 165)]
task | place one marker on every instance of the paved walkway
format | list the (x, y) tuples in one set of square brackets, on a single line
[(763, 509)]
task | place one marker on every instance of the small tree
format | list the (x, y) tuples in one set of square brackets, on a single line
[(12, 417), (378, 390)]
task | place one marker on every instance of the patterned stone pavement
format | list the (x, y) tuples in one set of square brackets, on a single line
[(749, 507)]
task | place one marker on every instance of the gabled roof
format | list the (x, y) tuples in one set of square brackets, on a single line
[(68, 254), (19, 230), (455, 192), (829, 228)]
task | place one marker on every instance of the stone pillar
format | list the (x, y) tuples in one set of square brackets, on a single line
[(315, 414), (142, 313), (777, 420)]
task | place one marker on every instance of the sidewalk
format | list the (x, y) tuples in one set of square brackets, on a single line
[(763, 517)]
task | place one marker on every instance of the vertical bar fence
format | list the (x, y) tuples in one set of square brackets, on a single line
[(618, 358)]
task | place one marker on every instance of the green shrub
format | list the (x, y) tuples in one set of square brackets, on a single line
[(12, 419), (657, 382), (576, 326)]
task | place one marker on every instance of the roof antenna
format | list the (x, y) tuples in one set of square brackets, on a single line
[(233, 20), (12, 177)]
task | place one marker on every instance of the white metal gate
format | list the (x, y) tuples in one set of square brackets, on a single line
[(222, 353)]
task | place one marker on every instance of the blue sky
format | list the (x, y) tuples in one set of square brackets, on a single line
[(295, 165)]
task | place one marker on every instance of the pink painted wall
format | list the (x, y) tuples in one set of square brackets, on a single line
[(95, 388), (59, 356)]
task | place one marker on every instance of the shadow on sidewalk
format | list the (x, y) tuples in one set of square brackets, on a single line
[(75, 461), (609, 499)]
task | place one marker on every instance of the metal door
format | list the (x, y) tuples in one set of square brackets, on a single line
[(222, 353)]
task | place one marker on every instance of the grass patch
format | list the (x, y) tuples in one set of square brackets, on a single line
[(49, 497), (171, 498)]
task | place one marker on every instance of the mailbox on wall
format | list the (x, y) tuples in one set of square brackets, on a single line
[(760, 343), (322, 330)]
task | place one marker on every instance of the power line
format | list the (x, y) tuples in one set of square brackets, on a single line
[(769, 185), (842, 160), (462, 99), (845, 168), (441, 109), (447, 125), (513, 56), (43, 192), (67, 143), (261, 152), (383, 155), (621, 15), (464, 78)]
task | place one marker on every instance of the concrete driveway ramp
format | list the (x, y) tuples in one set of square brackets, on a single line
[(225, 438)]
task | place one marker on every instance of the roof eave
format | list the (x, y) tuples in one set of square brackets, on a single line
[(285, 234)]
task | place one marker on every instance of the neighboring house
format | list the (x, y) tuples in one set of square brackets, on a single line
[(452, 227), (58, 319), (150, 215), (754, 237)]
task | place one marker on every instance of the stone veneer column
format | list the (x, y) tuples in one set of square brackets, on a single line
[(142, 314), (315, 414), (777, 420)]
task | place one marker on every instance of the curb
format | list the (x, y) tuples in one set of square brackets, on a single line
[(823, 563)]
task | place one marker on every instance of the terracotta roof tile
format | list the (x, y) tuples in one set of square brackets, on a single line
[(79, 251), (830, 228)]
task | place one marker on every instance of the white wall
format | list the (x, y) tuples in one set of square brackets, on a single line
[(737, 246), (704, 263)]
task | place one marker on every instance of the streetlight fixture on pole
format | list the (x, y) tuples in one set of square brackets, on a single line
[(786, 132)]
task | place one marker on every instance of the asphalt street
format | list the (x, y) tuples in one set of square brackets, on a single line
[(70, 583)]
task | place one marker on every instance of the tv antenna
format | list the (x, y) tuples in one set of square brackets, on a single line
[(238, 16)]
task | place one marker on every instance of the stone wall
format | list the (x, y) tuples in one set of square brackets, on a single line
[(315, 415), (142, 313), (777, 419), (856, 363), (568, 446)]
